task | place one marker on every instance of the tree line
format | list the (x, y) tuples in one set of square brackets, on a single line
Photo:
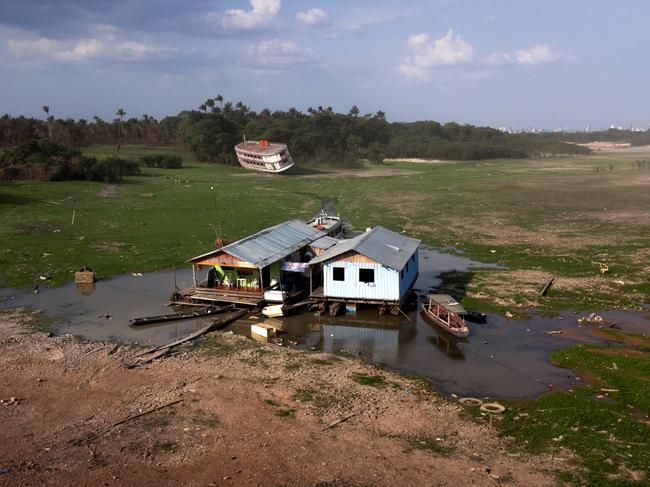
[(319, 135)]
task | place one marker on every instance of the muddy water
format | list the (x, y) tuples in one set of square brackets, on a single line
[(104, 313), (502, 358)]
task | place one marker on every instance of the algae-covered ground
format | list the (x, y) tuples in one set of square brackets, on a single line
[(540, 218), (602, 429), (566, 218)]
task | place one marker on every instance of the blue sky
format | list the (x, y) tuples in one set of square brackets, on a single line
[(549, 64)]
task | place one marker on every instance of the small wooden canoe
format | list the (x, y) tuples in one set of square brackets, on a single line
[(446, 312), (150, 320)]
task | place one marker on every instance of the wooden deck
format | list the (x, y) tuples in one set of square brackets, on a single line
[(224, 295)]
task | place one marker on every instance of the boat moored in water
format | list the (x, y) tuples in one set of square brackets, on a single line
[(264, 156), (446, 312)]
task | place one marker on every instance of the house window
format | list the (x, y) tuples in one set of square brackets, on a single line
[(407, 267), (413, 257), (401, 274), (367, 275), (338, 273)]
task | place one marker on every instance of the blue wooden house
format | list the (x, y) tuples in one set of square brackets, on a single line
[(378, 266)]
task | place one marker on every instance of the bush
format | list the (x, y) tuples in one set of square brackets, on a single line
[(163, 161), (45, 161)]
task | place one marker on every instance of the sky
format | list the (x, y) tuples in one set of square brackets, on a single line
[(522, 63)]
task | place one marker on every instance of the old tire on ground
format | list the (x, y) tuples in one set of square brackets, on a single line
[(470, 401), (492, 408)]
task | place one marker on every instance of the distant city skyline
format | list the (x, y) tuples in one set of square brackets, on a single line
[(500, 63)]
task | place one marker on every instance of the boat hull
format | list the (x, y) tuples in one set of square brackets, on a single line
[(263, 156), (460, 332)]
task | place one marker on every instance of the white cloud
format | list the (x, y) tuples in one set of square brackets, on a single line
[(106, 46), (278, 53), (262, 14), (316, 17), (448, 50), (537, 54)]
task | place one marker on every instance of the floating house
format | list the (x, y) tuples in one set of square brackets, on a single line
[(378, 266), (274, 259)]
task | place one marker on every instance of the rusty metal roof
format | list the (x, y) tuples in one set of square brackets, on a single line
[(324, 242), (390, 249), (269, 245)]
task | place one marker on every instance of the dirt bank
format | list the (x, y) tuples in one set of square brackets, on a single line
[(250, 414)]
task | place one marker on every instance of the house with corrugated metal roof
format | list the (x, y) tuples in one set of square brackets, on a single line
[(241, 272), (378, 266)]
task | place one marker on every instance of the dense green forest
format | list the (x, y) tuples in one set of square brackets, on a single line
[(320, 135)]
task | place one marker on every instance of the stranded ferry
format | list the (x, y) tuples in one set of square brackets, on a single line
[(263, 156)]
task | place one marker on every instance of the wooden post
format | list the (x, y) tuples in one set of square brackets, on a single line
[(261, 280), (194, 275)]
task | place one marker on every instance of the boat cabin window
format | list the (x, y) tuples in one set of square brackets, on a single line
[(338, 273), (367, 275)]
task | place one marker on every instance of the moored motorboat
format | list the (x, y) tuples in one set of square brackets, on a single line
[(446, 312), (330, 224)]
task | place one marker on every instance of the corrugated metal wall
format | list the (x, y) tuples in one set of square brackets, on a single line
[(386, 285), (408, 276)]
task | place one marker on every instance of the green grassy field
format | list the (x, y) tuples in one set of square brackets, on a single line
[(560, 217), (549, 217), (605, 425)]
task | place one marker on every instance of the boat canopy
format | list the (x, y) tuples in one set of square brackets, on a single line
[(447, 302)]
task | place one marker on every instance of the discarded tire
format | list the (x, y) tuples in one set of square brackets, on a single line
[(470, 401), (492, 408)]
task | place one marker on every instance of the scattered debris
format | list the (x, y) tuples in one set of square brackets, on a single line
[(545, 289), (509, 315), (339, 421), (555, 332), (470, 401), (592, 319), (492, 408), (85, 275)]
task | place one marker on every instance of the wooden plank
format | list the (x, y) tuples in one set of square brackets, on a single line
[(547, 286), (164, 349)]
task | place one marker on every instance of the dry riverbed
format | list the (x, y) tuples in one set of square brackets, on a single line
[(249, 414)]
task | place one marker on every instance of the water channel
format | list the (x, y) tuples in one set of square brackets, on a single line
[(501, 358)]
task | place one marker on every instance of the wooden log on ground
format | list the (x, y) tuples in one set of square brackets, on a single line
[(216, 324), (549, 283), (339, 421)]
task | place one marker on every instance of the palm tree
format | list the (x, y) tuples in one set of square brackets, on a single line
[(203, 107), (210, 104), (120, 113), (46, 109), (354, 111), (219, 98)]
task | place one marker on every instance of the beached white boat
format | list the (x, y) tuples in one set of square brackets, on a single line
[(264, 156), (330, 224), (446, 312)]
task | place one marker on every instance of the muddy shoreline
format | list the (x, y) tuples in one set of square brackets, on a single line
[(250, 414)]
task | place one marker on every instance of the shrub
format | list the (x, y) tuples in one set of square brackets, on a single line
[(163, 161), (45, 161)]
